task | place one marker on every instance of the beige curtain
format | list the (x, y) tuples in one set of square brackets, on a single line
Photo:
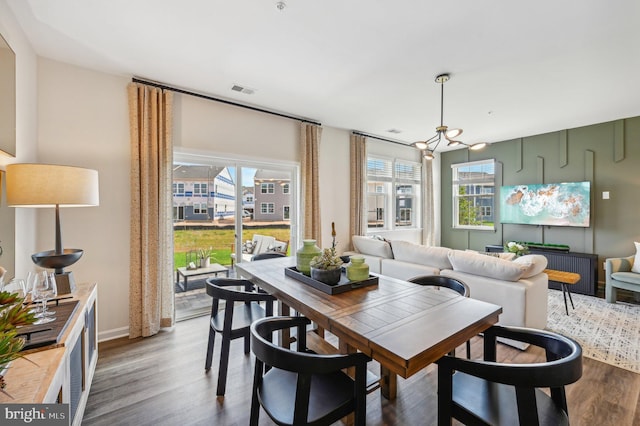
[(309, 140), (428, 216), (358, 191), (151, 303)]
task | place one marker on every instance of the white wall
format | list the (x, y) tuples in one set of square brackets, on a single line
[(83, 121)]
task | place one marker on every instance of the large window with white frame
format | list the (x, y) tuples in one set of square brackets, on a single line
[(393, 193), (473, 194)]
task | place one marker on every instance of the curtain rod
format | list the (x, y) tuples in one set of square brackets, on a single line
[(224, 101), (380, 138)]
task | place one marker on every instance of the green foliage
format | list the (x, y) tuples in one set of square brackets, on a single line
[(467, 213), (13, 314), (328, 260)]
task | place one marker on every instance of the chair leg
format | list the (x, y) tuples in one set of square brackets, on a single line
[(570, 299), (224, 364), (212, 338), (247, 342)]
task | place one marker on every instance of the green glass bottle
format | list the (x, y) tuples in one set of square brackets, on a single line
[(308, 251), (358, 270)]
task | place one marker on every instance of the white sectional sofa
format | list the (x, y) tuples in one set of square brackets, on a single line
[(519, 286)]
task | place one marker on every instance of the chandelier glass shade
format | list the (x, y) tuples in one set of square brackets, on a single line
[(429, 146)]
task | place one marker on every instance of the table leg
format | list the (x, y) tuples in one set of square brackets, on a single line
[(285, 335), (388, 383)]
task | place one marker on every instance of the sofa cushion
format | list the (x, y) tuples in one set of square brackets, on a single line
[(501, 254), (636, 260), (372, 246), (487, 266), (627, 277), (422, 255), (536, 263)]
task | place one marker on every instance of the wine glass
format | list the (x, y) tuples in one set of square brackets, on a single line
[(16, 285), (44, 290)]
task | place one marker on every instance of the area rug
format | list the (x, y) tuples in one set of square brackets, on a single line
[(607, 332)]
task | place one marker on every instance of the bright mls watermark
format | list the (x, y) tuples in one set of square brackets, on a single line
[(35, 414)]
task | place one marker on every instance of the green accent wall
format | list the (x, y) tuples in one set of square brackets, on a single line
[(606, 154)]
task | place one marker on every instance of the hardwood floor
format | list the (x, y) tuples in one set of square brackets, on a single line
[(161, 381)]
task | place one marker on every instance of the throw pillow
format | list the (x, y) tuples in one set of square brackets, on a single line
[(371, 246), (486, 266), (636, 261), (248, 247), (536, 263), (422, 255)]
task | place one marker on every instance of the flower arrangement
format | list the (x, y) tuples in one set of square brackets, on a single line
[(517, 248), (205, 253), (13, 314), (328, 259)]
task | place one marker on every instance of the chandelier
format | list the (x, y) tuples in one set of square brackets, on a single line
[(429, 146)]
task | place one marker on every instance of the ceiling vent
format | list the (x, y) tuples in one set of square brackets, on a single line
[(394, 131), (242, 89)]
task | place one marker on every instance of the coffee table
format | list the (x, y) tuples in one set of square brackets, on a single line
[(214, 268), (563, 278)]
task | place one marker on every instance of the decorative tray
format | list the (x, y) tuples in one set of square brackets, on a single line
[(343, 285), (37, 336)]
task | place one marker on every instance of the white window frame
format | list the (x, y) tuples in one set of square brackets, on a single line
[(382, 186), (483, 180), (286, 212), (285, 188), (200, 189), (267, 188), (267, 208), (199, 207), (178, 188)]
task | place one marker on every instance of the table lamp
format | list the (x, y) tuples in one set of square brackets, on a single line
[(49, 185)]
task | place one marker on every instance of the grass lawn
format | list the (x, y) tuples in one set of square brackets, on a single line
[(220, 240)]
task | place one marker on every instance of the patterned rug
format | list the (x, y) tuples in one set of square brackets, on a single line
[(607, 332)]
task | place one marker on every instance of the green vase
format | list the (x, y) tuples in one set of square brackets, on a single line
[(358, 270), (308, 251)]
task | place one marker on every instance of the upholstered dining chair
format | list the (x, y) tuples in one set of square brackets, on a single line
[(233, 321), (446, 282), (300, 387), (484, 392)]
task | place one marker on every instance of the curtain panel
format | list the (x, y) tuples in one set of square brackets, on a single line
[(428, 216), (309, 141), (358, 181), (151, 300)]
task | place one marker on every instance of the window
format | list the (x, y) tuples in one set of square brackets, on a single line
[(286, 215), (393, 188), (200, 208), (267, 208), (249, 198), (473, 194), (285, 188), (199, 189), (178, 189), (267, 188)]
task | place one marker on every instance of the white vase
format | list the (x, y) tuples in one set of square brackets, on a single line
[(205, 262)]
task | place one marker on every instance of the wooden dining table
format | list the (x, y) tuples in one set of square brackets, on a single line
[(402, 325)]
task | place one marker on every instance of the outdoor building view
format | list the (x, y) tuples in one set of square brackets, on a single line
[(211, 209)]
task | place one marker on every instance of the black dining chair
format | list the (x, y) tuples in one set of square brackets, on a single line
[(233, 321), (484, 392), (301, 387), (446, 282)]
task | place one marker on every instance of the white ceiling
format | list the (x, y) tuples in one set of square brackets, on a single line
[(517, 68)]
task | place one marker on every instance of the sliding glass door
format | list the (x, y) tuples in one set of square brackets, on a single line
[(232, 208)]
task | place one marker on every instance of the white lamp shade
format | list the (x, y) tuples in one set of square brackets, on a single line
[(48, 185)]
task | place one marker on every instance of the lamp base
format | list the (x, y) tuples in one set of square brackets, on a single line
[(65, 283)]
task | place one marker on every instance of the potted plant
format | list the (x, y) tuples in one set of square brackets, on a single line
[(519, 249), (205, 257), (13, 313), (326, 267)]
